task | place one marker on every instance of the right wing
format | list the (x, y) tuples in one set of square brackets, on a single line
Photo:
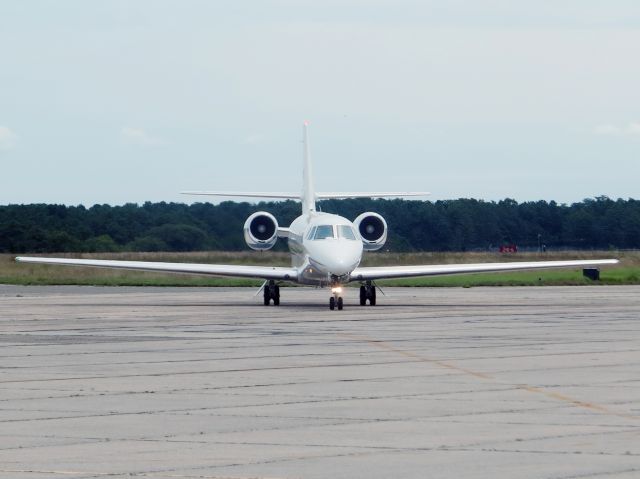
[(264, 272), (388, 272)]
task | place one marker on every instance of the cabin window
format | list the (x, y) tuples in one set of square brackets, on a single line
[(346, 232), (323, 232)]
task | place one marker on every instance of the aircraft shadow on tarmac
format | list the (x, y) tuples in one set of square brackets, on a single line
[(314, 305)]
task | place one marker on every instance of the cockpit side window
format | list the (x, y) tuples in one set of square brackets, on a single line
[(323, 232), (346, 232), (312, 231)]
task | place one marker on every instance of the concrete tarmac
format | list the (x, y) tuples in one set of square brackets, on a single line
[(208, 383)]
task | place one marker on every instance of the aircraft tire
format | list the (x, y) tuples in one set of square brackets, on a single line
[(332, 303), (276, 297), (266, 296), (363, 296), (340, 303)]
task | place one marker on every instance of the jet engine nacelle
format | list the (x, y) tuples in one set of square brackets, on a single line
[(261, 231), (373, 230)]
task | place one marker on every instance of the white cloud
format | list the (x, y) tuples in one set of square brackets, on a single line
[(606, 130), (7, 139), (138, 136), (632, 129)]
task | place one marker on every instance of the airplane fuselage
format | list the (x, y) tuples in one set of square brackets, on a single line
[(325, 248)]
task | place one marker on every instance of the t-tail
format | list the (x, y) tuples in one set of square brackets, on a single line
[(308, 196)]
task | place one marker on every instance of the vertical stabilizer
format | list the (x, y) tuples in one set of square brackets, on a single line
[(308, 192)]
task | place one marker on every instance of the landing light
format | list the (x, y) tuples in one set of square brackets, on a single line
[(336, 290)]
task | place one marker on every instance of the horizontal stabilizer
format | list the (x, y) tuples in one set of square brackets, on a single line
[(296, 196), (397, 194), (242, 194)]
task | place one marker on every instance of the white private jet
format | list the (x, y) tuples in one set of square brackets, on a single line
[(326, 249)]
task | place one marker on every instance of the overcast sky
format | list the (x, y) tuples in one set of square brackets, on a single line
[(130, 101)]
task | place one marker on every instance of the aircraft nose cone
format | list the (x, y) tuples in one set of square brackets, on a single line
[(336, 257), (340, 266), (343, 262)]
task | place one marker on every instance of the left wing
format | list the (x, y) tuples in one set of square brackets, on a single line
[(383, 272), (265, 272)]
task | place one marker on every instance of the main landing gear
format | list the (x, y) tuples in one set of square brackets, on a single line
[(368, 292), (271, 291)]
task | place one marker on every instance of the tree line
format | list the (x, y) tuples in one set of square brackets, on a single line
[(449, 225)]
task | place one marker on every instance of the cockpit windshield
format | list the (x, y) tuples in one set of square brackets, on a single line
[(323, 232), (346, 232)]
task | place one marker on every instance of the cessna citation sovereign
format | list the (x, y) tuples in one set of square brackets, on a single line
[(326, 249)]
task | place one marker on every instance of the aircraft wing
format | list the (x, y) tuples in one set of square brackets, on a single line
[(386, 272), (264, 272)]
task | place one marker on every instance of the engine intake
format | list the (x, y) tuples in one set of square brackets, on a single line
[(373, 230), (261, 231)]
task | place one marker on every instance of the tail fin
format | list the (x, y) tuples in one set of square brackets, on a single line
[(308, 192), (308, 196)]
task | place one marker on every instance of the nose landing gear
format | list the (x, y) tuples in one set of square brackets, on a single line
[(336, 299), (333, 302)]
